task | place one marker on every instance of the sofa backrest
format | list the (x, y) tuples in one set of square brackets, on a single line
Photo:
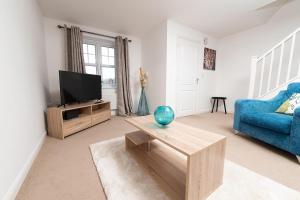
[(293, 88)]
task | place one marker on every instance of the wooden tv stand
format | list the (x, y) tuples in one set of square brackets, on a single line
[(90, 114)]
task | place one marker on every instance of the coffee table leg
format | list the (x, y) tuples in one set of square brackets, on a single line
[(205, 172), (193, 178), (128, 144)]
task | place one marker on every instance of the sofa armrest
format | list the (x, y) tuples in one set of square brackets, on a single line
[(295, 133), (254, 105), (297, 113)]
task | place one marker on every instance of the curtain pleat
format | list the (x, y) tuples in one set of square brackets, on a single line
[(124, 101), (73, 52)]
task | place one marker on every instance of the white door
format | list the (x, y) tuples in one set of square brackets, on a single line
[(188, 73)]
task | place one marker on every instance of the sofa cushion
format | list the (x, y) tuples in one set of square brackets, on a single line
[(279, 123), (290, 105)]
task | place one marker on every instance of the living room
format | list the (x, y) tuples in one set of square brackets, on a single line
[(150, 99)]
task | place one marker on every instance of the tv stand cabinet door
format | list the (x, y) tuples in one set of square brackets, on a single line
[(54, 122), (76, 125), (100, 117)]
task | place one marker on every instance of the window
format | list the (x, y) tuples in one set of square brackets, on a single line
[(108, 56), (99, 58), (108, 66), (89, 55)]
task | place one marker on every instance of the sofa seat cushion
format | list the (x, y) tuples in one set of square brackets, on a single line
[(279, 123)]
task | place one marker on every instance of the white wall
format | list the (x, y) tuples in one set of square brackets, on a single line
[(23, 86), (207, 80), (159, 49), (235, 51), (154, 61), (55, 59)]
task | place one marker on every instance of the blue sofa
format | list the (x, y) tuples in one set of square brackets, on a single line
[(257, 118)]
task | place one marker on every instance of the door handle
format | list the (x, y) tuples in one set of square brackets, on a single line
[(197, 80)]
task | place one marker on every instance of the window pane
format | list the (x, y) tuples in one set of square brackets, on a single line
[(91, 49), (92, 59), (85, 57), (90, 70), (104, 60), (108, 76), (104, 51), (84, 48), (111, 52), (111, 60)]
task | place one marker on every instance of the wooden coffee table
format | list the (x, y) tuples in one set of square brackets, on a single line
[(192, 160)]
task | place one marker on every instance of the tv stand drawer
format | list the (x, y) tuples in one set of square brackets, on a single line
[(75, 125), (100, 117)]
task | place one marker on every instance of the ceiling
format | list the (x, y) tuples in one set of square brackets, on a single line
[(135, 17)]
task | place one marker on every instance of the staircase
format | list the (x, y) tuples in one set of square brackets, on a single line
[(275, 69)]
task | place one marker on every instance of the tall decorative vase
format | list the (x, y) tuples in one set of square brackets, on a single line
[(143, 105)]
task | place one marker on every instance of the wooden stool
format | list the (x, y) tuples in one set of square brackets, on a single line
[(217, 98)]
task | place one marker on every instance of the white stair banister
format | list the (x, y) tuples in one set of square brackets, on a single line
[(252, 77), (291, 57), (279, 71), (262, 75), (280, 64), (270, 71)]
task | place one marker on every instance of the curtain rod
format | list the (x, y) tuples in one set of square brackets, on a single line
[(108, 36)]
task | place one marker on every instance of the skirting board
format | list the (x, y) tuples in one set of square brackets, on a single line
[(203, 111), (113, 112), (209, 111), (17, 183), (219, 111)]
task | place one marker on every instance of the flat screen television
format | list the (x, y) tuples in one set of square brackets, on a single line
[(77, 87)]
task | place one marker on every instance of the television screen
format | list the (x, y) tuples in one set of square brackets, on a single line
[(77, 87)]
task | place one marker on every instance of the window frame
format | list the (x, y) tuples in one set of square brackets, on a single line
[(90, 42), (100, 42)]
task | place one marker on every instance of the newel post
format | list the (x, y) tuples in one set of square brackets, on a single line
[(252, 77)]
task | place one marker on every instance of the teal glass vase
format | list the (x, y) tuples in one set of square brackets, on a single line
[(164, 115), (143, 108)]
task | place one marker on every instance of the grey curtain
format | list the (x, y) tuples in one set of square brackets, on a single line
[(73, 50), (124, 103)]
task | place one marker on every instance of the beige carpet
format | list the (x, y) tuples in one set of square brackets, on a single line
[(64, 169), (124, 176)]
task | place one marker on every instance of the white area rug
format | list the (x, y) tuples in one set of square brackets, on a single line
[(124, 178)]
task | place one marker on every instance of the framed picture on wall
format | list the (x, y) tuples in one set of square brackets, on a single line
[(209, 62)]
